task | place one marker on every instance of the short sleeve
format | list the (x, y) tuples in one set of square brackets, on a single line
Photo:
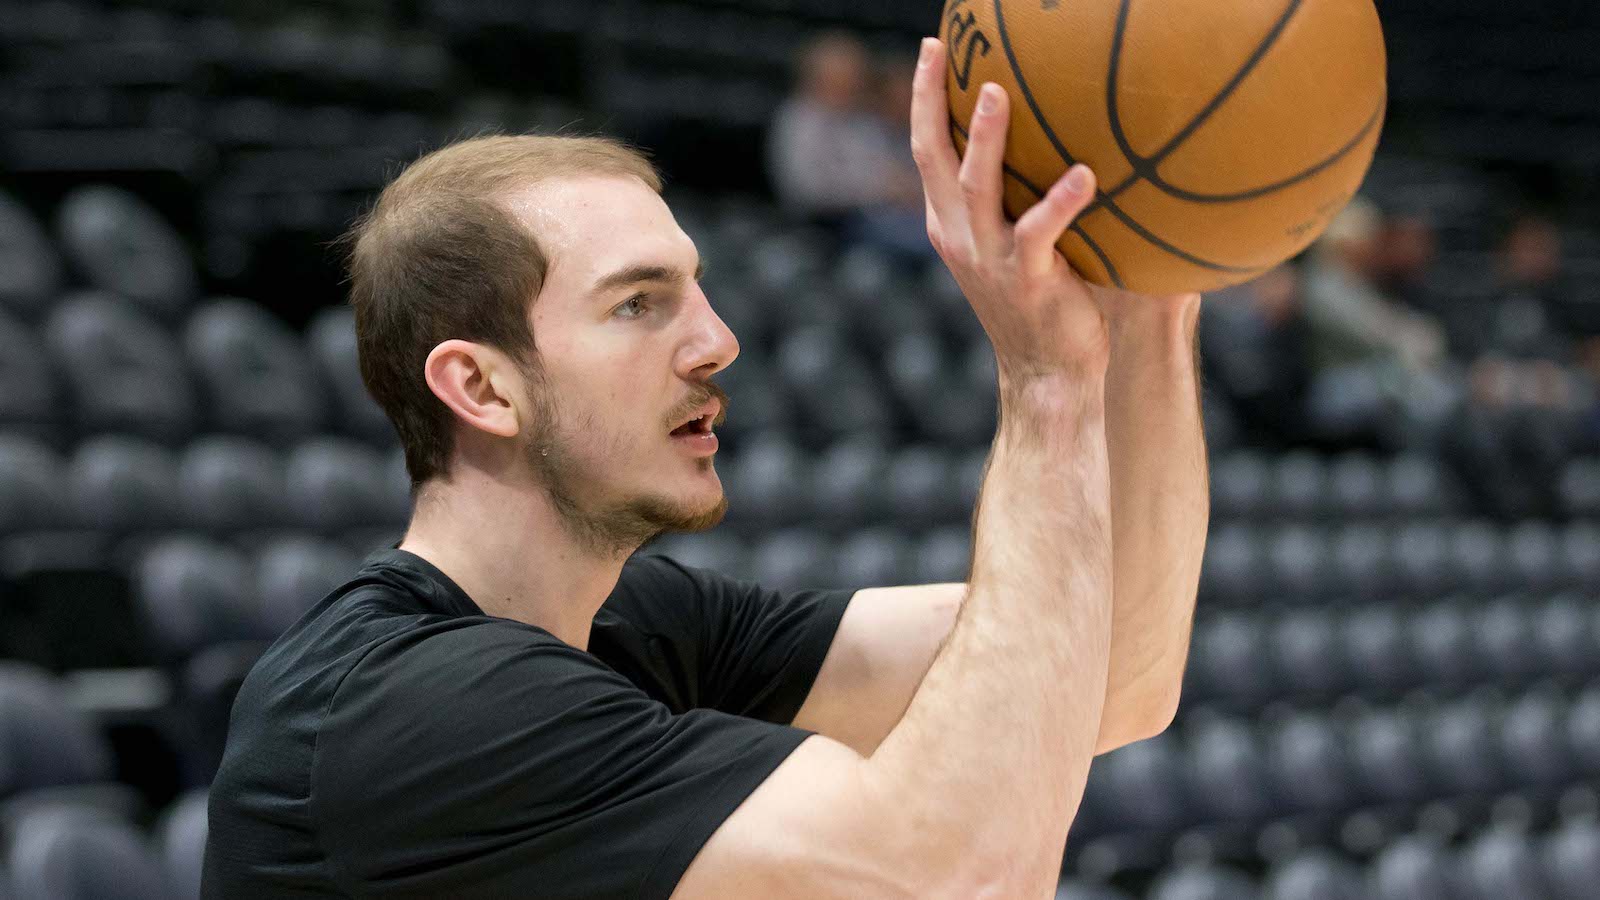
[(743, 649), (490, 760)]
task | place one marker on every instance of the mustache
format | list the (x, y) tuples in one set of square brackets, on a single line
[(698, 396)]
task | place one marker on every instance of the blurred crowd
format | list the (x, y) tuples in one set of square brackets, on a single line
[(1355, 344)]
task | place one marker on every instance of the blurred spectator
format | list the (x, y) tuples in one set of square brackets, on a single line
[(1529, 296), (837, 162), (1407, 247), (1519, 419), (1255, 343), (1375, 364)]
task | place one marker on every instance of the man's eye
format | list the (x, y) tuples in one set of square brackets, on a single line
[(635, 307)]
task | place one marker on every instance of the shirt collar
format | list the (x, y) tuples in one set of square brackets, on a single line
[(434, 588)]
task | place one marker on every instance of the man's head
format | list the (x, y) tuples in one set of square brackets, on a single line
[(1351, 241), (835, 70), (527, 306), (1530, 253)]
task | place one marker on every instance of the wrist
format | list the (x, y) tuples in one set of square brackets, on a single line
[(1146, 317), (1067, 394)]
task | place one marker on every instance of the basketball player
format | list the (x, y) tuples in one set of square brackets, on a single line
[(508, 705)]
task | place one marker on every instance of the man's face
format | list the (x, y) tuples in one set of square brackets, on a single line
[(626, 344)]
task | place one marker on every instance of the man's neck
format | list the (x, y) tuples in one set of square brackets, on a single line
[(510, 552)]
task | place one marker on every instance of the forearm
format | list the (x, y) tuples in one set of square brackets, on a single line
[(1007, 716), (1160, 507)]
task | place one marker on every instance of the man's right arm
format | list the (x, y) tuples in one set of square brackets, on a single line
[(974, 790)]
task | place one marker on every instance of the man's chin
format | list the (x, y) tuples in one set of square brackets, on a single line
[(689, 522)]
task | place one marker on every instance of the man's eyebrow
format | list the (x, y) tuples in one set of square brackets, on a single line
[(643, 273)]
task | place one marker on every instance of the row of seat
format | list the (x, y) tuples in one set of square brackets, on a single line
[(1243, 660), (1224, 768), (1562, 864), (64, 850)]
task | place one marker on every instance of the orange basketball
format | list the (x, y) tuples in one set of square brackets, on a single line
[(1225, 135)]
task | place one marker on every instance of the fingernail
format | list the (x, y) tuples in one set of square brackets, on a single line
[(925, 56), (1078, 178), (987, 101)]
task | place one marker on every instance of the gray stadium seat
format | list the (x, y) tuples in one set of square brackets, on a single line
[(125, 372), (195, 592), (792, 559), (1420, 555), (1461, 749), (231, 484), (1533, 740), (1417, 486), (1583, 731), (1572, 860), (1500, 864), (1415, 868), (1386, 750), (123, 484), (30, 269), (720, 551), (122, 245), (1073, 889), (181, 841), (1442, 642), (1375, 646), (1504, 632), (1241, 485), (1533, 556), (943, 555), (292, 574), (921, 487), (28, 393), (1234, 569), (1580, 487), (256, 375), (64, 853), (1316, 875), (848, 483), (331, 338), (1308, 653), (31, 481), (766, 481), (1227, 771), (1359, 564), (1477, 558), (44, 742), (1229, 658), (1310, 768), (1299, 485), (1203, 882), (1579, 555), (1297, 557), (758, 402), (1144, 783), (876, 557), (1355, 485), (337, 483), (1563, 639)]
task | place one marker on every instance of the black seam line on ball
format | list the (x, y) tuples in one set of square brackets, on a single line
[(1144, 167), (1102, 201), (1075, 227)]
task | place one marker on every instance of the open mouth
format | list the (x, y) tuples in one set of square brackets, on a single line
[(697, 425)]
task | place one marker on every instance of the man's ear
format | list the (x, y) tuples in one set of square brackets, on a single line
[(476, 383)]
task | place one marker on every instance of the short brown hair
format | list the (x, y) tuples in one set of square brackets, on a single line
[(439, 257)]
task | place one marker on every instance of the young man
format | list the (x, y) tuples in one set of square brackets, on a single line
[(508, 705)]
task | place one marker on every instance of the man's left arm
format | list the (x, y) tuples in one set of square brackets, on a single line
[(1160, 507)]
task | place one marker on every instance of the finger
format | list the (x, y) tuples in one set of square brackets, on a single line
[(982, 168), (930, 132), (1041, 227)]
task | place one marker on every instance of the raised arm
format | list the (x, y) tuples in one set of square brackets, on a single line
[(974, 790)]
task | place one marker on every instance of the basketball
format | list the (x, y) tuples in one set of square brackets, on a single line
[(1225, 136)]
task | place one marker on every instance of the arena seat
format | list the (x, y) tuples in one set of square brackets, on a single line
[(1500, 863), (1143, 783), (65, 853), (181, 843), (1234, 567), (292, 573), (337, 483), (720, 551), (1583, 730), (1562, 635), (766, 481), (1572, 860), (1203, 882), (1241, 485), (1375, 646), (30, 268), (1503, 630), (918, 482), (331, 339), (1308, 654), (1460, 748), (1358, 562), (791, 559), (1299, 485), (44, 742), (1227, 771), (875, 557), (848, 483), (123, 245), (1229, 658), (1443, 643), (1309, 765), (1072, 889), (1533, 740), (1415, 868), (31, 480), (1386, 752), (195, 592), (943, 555), (1355, 485), (28, 393), (231, 484), (124, 484), (1316, 875), (125, 372), (257, 377)]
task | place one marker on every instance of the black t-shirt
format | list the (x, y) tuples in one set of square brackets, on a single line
[(398, 742)]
